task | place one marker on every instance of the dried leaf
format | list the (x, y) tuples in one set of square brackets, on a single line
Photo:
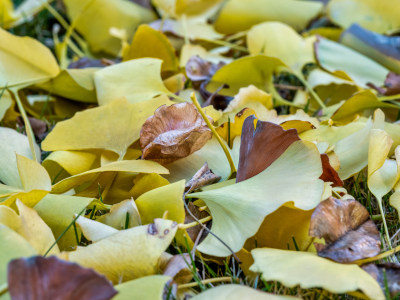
[(387, 275), (51, 278), (203, 177), (345, 226), (173, 132), (179, 268)]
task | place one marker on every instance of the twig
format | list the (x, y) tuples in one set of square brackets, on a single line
[(211, 280)]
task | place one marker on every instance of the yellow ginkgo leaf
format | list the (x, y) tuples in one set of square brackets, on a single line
[(32, 174), (146, 182), (379, 16), (155, 203), (293, 268), (257, 70), (122, 215), (247, 96), (143, 84), (333, 56), (120, 14), (239, 15), (286, 228), (30, 226), (74, 84), (132, 166), (177, 8), (112, 127), (148, 42), (146, 288), (5, 104), (357, 104), (58, 212), (211, 153), (7, 14), (239, 209), (72, 162), (13, 246), (127, 254), (282, 41), (238, 292), (94, 231), (24, 61), (13, 142)]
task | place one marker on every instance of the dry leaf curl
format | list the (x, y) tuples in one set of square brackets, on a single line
[(173, 132), (348, 232)]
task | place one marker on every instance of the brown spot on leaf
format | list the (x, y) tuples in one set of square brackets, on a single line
[(39, 278), (329, 173), (173, 132), (349, 234)]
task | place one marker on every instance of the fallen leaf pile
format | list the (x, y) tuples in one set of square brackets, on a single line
[(205, 149)]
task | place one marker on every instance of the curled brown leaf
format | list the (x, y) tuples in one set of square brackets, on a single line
[(173, 132), (348, 232), (203, 177), (40, 278)]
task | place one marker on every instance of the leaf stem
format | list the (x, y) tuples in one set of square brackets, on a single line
[(28, 128), (195, 223), (311, 90), (387, 236), (220, 141), (3, 288), (211, 280), (378, 257)]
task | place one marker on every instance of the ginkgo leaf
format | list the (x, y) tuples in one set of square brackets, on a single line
[(237, 15), (380, 48), (148, 287), (13, 246), (127, 254), (333, 57), (293, 50), (132, 166), (58, 211), (143, 183), (173, 132), (257, 70), (13, 142), (118, 13), (73, 162), (293, 268), (176, 8), (237, 292), (155, 203), (211, 153), (148, 42), (39, 278), (112, 127), (248, 96), (24, 61), (120, 214), (32, 174), (239, 209), (379, 17), (144, 81), (94, 231), (74, 84)]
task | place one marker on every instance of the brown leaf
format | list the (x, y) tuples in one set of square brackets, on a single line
[(198, 69), (392, 84), (39, 127), (39, 278), (178, 268), (391, 278), (86, 62), (203, 177), (349, 234), (329, 174), (259, 148), (173, 132)]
